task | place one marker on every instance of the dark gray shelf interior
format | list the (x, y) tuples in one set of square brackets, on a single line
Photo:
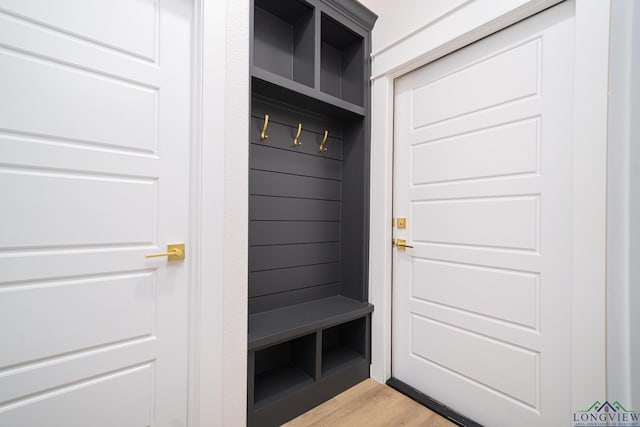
[(339, 358), (283, 39), (284, 368), (341, 62), (342, 345)]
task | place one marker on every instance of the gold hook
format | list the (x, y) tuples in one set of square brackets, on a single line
[(323, 149), (263, 134), (296, 142)]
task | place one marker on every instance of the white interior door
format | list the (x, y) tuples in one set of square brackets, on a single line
[(482, 302), (94, 173)]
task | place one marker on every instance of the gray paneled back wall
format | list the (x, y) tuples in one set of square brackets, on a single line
[(295, 207)]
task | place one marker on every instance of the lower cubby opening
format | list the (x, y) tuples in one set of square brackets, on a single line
[(343, 344), (295, 374), (284, 368)]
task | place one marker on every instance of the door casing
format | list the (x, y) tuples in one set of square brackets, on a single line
[(219, 213), (589, 175)]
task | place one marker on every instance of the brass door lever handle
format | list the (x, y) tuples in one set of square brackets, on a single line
[(401, 244), (173, 253)]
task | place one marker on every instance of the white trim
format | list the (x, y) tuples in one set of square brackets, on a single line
[(590, 121), (591, 85), (234, 282), (421, 29), (380, 255), (462, 26), (623, 236), (195, 218), (218, 301), (619, 308)]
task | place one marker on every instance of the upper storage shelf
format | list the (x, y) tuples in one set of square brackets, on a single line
[(283, 34), (342, 62), (310, 52)]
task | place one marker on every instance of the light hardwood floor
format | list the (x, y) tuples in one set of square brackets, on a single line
[(370, 404)]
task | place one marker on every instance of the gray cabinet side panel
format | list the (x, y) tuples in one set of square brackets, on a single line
[(303, 53), (354, 213), (352, 66), (331, 70)]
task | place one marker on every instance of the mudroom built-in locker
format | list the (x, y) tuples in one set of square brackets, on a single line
[(309, 315)]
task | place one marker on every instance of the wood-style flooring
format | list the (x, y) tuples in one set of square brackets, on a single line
[(370, 404)]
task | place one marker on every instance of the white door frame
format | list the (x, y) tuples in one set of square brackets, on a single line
[(219, 214), (476, 20)]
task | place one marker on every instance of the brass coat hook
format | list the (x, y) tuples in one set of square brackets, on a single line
[(296, 141), (324, 141), (263, 134)]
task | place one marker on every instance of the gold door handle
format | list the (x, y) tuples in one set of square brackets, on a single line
[(174, 252), (401, 244)]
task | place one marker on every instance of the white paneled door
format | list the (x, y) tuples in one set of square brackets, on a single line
[(94, 175), (482, 302)]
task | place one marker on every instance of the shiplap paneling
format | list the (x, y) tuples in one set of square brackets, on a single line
[(263, 233), (268, 158), (266, 183), (287, 279), (297, 296), (295, 210)]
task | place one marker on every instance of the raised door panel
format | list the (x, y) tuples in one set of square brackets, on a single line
[(127, 26)]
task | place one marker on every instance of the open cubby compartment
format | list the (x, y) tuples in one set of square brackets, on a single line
[(283, 39), (280, 399), (284, 368), (343, 345), (342, 62)]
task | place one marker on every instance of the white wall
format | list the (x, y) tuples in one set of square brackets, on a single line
[(623, 276), (218, 366), (424, 24), (398, 19)]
